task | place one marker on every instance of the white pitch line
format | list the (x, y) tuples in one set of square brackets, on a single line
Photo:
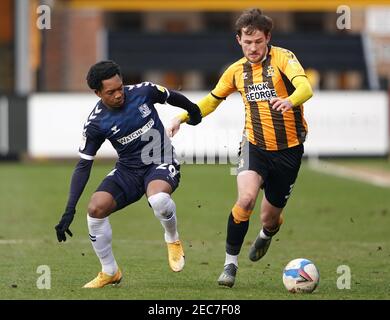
[(351, 173), (12, 241)]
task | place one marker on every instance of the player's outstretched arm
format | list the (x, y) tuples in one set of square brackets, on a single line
[(178, 100), (206, 105), (79, 180)]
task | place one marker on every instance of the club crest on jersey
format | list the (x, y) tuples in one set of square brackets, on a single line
[(145, 110), (270, 71)]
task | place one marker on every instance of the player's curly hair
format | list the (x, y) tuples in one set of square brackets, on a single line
[(100, 71), (253, 19)]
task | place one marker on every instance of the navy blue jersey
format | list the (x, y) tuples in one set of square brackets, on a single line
[(134, 129)]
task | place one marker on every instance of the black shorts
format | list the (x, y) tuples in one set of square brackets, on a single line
[(129, 185), (279, 169)]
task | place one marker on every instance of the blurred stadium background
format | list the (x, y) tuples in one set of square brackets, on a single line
[(340, 209)]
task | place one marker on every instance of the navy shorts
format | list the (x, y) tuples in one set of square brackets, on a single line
[(129, 185), (279, 169)]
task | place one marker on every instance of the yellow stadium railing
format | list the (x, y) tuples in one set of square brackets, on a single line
[(220, 5)]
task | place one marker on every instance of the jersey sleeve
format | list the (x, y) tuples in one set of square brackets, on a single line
[(91, 141), (225, 85), (157, 93), (290, 65)]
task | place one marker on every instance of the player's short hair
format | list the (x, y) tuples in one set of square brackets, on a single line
[(100, 71), (253, 19)]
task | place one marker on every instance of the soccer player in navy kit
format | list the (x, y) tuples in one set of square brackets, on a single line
[(126, 116)]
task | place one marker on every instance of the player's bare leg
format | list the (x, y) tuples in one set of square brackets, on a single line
[(159, 198), (271, 219), (248, 184), (100, 233)]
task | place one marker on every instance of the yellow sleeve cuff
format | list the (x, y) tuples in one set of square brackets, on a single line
[(303, 91), (184, 117), (206, 105)]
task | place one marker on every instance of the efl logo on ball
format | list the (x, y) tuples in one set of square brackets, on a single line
[(301, 276)]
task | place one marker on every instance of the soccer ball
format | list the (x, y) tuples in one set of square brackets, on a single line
[(300, 276)]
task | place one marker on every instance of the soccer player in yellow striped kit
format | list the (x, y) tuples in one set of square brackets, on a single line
[(273, 86)]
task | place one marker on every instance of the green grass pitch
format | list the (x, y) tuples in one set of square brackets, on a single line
[(331, 221)]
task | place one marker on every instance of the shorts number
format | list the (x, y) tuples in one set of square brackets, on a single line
[(170, 167)]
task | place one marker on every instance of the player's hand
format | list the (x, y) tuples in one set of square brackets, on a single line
[(173, 127), (281, 105), (195, 116), (63, 225)]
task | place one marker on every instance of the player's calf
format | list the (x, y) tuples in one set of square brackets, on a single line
[(165, 210)]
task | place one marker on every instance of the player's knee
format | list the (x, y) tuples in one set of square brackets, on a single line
[(101, 205), (97, 210), (246, 202), (162, 205)]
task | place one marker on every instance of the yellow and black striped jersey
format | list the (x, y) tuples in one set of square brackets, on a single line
[(258, 84)]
